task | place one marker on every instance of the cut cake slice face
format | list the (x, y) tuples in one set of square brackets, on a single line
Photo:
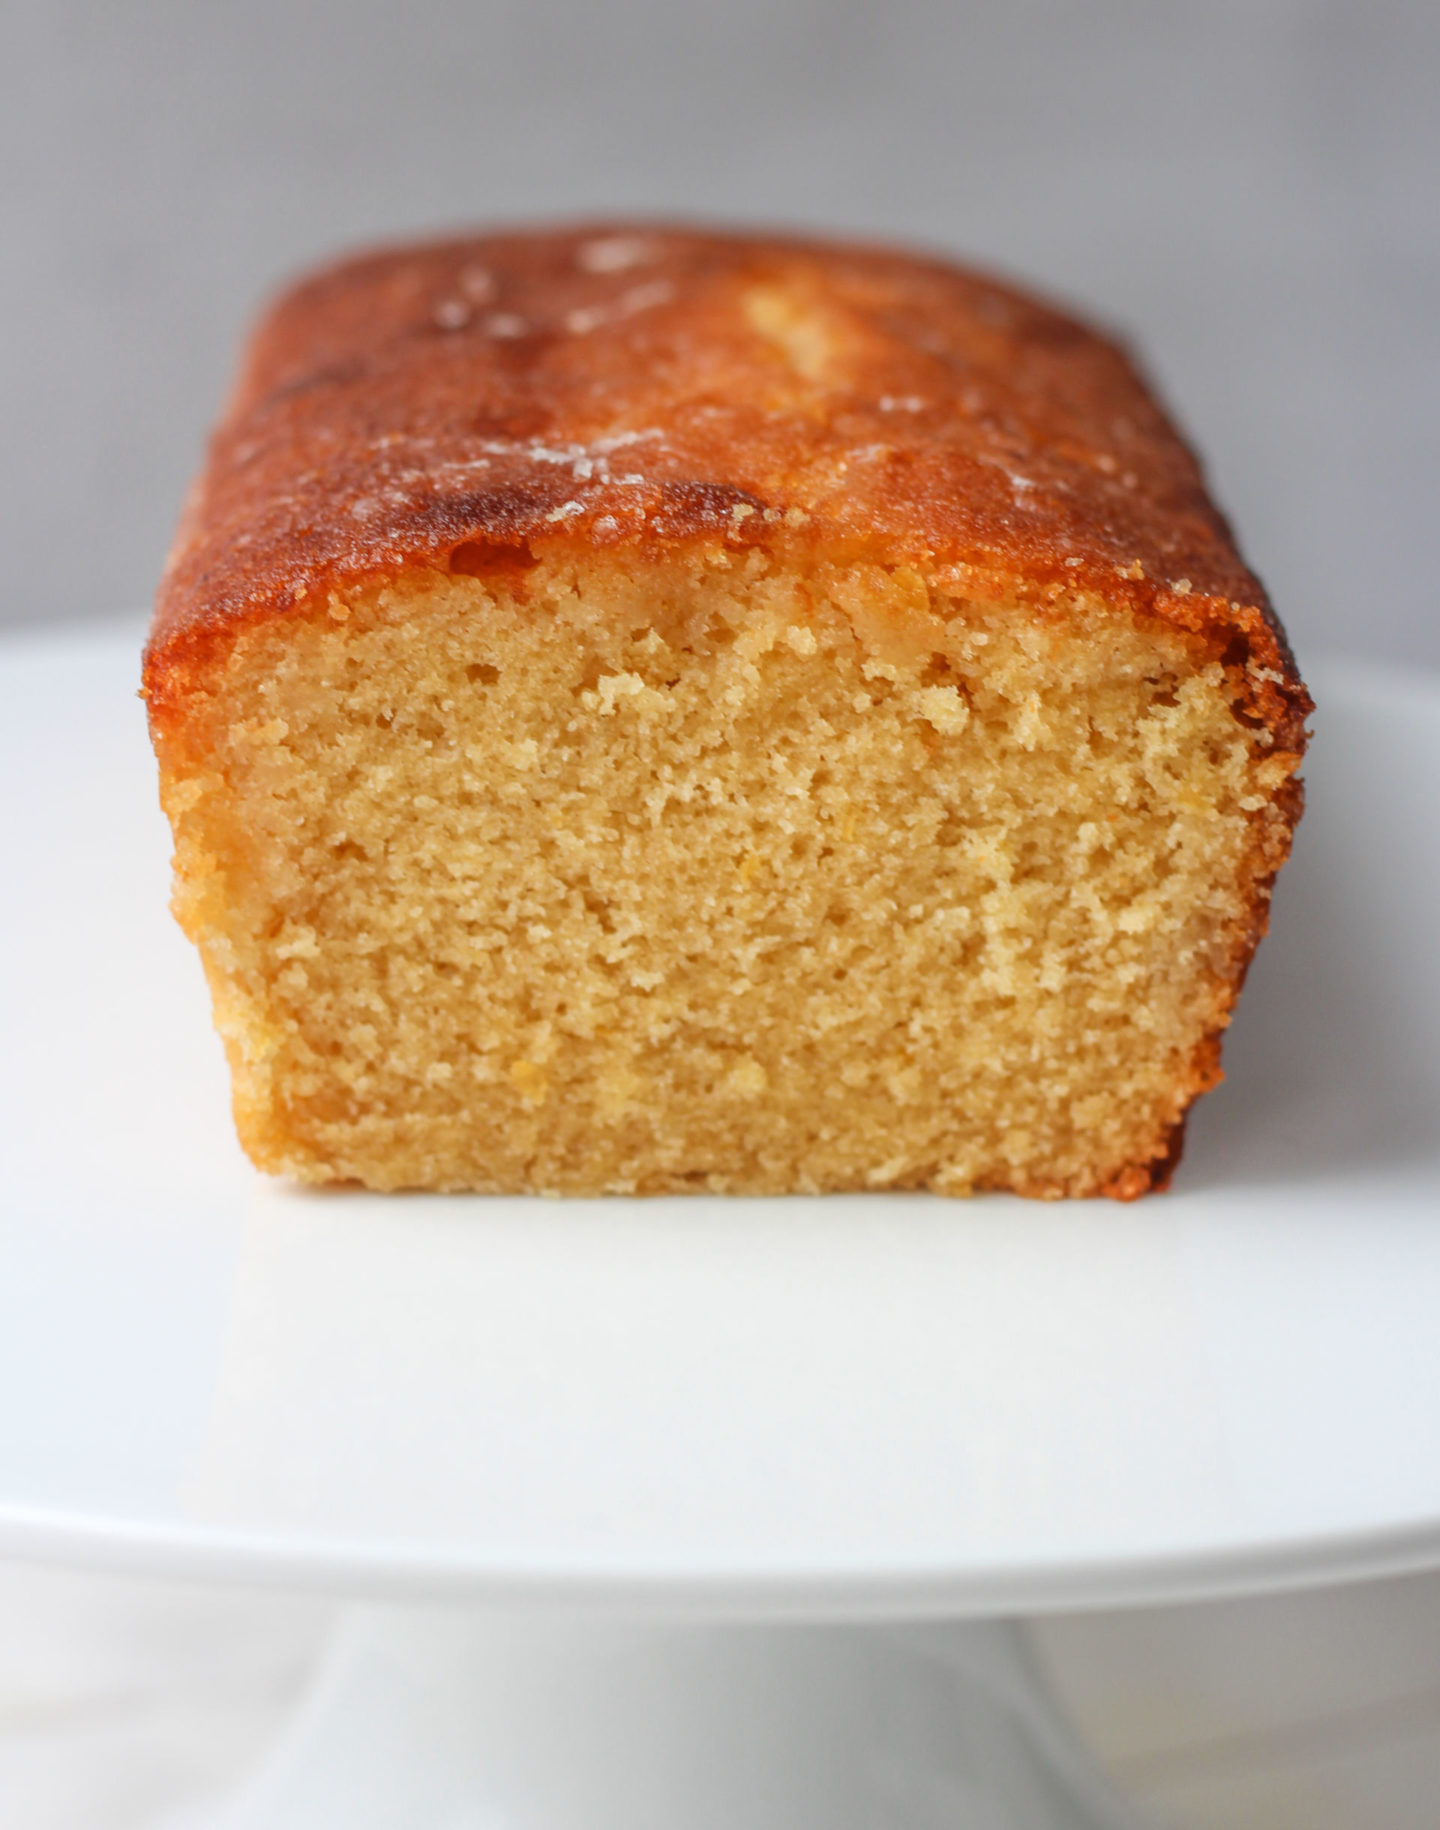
[(646, 710)]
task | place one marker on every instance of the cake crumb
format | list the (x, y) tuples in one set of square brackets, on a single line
[(529, 1081)]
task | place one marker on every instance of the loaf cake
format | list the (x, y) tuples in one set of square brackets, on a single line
[(645, 709)]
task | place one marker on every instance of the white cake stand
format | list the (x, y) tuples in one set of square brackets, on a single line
[(649, 1511)]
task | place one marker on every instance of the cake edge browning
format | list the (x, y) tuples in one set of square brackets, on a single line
[(400, 406)]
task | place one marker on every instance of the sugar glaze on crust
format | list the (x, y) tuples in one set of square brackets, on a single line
[(638, 383)]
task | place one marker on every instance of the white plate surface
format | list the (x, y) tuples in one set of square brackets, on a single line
[(867, 1405)]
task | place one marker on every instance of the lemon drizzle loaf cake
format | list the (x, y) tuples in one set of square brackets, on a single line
[(643, 709)]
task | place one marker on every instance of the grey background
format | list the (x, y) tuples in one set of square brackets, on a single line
[(1249, 187)]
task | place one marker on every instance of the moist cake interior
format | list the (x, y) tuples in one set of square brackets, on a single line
[(716, 872)]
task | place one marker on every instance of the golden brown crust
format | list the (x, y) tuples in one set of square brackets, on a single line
[(653, 385)]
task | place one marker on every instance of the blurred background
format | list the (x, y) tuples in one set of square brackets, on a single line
[(1247, 188)]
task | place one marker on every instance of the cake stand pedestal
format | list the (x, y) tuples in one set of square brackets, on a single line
[(643, 1508), (462, 1722)]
